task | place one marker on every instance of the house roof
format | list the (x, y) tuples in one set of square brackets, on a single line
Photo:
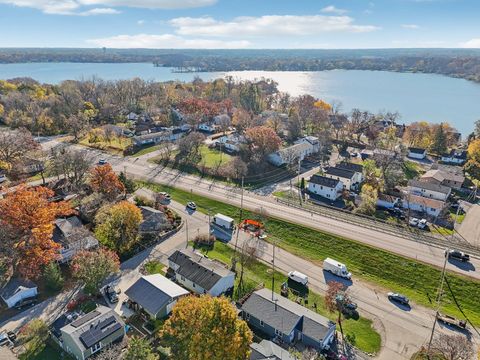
[(15, 285), (295, 149), (284, 315), (350, 166), (71, 230), (429, 186), (268, 350), (428, 202), (387, 198), (151, 136), (441, 175), (324, 181), (198, 269), (456, 154), (416, 150), (68, 226), (153, 292), (153, 219), (93, 327), (340, 172)]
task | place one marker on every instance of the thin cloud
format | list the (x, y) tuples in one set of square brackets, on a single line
[(411, 26), (100, 11), (331, 9), (472, 43)]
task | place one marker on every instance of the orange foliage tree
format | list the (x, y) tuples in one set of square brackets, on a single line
[(206, 328), (29, 217), (104, 180)]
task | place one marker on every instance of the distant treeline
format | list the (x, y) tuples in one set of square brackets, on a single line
[(461, 63)]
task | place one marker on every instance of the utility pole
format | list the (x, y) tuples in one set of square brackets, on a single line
[(186, 231), (239, 220), (298, 181), (273, 270), (439, 300)]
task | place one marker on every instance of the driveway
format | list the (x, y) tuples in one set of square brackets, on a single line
[(469, 229)]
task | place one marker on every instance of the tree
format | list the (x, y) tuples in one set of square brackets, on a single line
[(439, 140), (128, 184), (206, 328), (335, 289), (369, 196), (33, 336), (453, 347), (139, 349), (93, 267), (72, 165), (53, 276), (263, 141), (473, 164), (28, 218), (245, 256), (294, 125), (190, 144), (103, 180), (372, 174), (15, 144), (117, 226)]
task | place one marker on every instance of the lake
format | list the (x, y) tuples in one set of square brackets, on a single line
[(430, 97)]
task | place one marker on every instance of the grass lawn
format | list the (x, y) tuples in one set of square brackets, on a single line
[(415, 279), (441, 230), (366, 338), (50, 352), (118, 144), (411, 169), (458, 218), (213, 157), (154, 267), (147, 150)]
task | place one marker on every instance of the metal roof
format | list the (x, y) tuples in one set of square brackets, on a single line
[(324, 181), (429, 186), (339, 172)]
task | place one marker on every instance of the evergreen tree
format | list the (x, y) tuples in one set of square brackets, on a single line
[(53, 276), (439, 143)]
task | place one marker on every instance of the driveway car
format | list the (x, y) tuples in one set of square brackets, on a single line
[(111, 294), (26, 303)]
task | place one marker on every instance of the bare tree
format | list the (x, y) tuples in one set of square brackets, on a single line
[(15, 144), (72, 165), (245, 256), (453, 347)]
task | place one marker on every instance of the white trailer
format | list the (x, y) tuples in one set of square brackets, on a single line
[(336, 268), (297, 276), (223, 221)]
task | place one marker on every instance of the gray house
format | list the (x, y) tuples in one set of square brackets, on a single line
[(267, 350), (286, 320), (91, 332), (155, 294)]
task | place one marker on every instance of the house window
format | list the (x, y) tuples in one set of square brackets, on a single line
[(96, 347), (278, 332), (193, 285), (261, 323)]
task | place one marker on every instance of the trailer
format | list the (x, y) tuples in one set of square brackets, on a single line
[(224, 221), (298, 277), (450, 320)]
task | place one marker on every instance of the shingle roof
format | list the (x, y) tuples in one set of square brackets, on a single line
[(324, 181), (350, 166), (153, 292), (428, 202), (416, 150), (429, 186), (15, 285), (441, 175), (153, 219), (339, 172), (198, 269), (267, 350)]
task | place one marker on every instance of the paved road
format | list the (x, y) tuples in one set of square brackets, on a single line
[(470, 227)]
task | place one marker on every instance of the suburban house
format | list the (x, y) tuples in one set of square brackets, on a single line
[(292, 154), (230, 142), (287, 321), (457, 157), (154, 221), (30, 166), (311, 140), (426, 205), (356, 168), (268, 350), (155, 294), (429, 190), (72, 236), (451, 179), (200, 274), (347, 177), (417, 153), (16, 290), (387, 201), (152, 138), (90, 333), (325, 187), (209, 127)]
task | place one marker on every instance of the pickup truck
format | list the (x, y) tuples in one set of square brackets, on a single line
[(450, 320), (457, 255)]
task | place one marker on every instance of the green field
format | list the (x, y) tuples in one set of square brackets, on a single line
[(415, 279), (213, 157), (147, 150), (366, 338)]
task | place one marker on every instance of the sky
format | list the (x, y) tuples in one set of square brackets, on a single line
[(250, 24)]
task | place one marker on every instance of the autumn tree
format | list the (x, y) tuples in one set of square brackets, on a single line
[(245, 257), (15, 144), (103, 180), (28, 218), (418, 134), (189, 146), (242, 120), (206, 328), (139, 349), (33, 336), (72, 165), (335, 290), (262, 141), (369, 196), (473, 164), (117, 226), (91, 268)]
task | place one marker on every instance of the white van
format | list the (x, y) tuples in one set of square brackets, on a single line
[(336, 268), (298, 277)]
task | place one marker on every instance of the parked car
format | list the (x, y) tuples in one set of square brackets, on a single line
[(4, 339), (26, 303), (422, 224), (165, 195), (457, 255), (413, 222), (402, 299), (111, 294), (102, 162), (12, 336), (191, 205)]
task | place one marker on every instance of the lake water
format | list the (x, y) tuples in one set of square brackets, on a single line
[(416, 97)]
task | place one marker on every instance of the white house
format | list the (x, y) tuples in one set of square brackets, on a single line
[(387, 201), (311, 140), (347, 177), (417, 153), (418, 203), (429, 190), (356, 168), (325, 187), (168, 134), (17, 290), (200, 274), (457, 157), (291, 154), (208, 127)]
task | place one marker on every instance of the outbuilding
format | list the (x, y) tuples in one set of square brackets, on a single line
[(17, 290)]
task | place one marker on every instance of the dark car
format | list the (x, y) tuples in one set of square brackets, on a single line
[(26, 303), (402, 299), (111, 294), (192, 206), (102, 162), (12, 336), (457, 255)]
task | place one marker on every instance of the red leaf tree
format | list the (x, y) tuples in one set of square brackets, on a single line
[(104, 181)]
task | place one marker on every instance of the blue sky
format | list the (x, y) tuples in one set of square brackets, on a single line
[(240, 23)]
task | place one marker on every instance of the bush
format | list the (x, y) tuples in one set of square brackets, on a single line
[(53, 276), (143, 201)]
